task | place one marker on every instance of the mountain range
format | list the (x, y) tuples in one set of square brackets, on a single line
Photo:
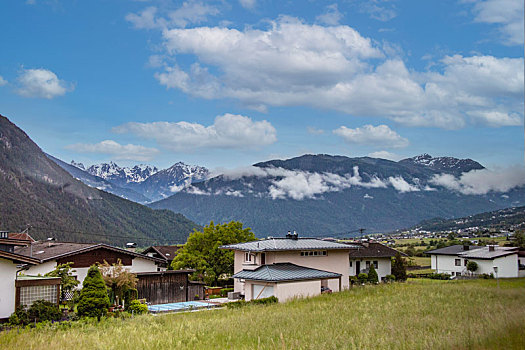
[(35, 192), (140, 183), (325, 195)]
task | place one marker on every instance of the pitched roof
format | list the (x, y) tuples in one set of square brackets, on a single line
[(167, 252), (474, 252), (485, 253), (281, 272), (280, 244), (373, 250), (451, 250), (18, 258), (45, 251)]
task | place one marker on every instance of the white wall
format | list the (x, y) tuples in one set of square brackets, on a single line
[(143, 265), (41, 269), (7, 287), (384, 266), (507, 265), (301, 289)]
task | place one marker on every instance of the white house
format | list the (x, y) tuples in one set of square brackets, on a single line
[(84, 255), (363, 255), (500, 261), (289, 267)]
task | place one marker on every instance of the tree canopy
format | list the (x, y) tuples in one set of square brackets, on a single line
[(68, 281), (201, 252), (118, 278), (399, 267)]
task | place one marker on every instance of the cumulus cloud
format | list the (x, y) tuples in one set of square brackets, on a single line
[(248, 4), (477, 182), (190, 12), (2, 81), (228, 131), (118, 151), (41, 83), (385, 155), (334, 67), (402, 185), (507, 15), (379, 136), (331, 16)]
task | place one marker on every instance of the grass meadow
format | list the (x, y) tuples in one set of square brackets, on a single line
[(419, 314)]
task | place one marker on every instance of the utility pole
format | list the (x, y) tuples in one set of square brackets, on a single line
[(361, 230)]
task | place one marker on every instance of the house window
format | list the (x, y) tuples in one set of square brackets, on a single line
[(466, 261), (350, 263), (458, 273), (247, 257), (314, 253), (376, 265), (368, 264), (458, 262), (263, 258)]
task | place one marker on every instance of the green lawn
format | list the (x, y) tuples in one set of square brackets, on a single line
[(419, 314), (421, 260)]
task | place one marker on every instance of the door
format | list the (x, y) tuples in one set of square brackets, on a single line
[(357, 267), (263, 258), (262, 291)]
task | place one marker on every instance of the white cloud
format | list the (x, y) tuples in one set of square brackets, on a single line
[(385, 155), (122, 152), (2, 81), (314, 131), (477, 182), (331, 16), (292, 63), (381, 10), (190, 12), (506, 14), (402, 185), (228, 131), (248, 4), (380, 136), (41, 83)]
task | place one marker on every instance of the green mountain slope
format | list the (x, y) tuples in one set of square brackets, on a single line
[(37, 192)]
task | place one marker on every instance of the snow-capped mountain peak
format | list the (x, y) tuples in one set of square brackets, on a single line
[(78, 165), (445, 164)]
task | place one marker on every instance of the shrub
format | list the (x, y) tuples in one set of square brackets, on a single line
[(389, 278), (399, 268), (352, 279), (362, 277), (372, 274), (130, 295), (224, 292), (137, 308), (94, 300), (472, 266), (486, 276), (439, 276), (19, 317), (242, 303), (42, 310)]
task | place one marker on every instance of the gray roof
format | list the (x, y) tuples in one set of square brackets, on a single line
[(281, 272), (484, 253), (451, 250), (277, 244), (474, 252)]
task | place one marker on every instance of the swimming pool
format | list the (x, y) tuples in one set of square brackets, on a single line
[(185, 305)]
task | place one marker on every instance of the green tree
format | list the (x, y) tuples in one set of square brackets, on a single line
[(201, 252), (372, 274), (519, 239), (68, 281), (399, 268), (472, 266), (94, 300)]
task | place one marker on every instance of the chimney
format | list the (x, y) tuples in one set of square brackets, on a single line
[(492, 248), (466, 247)]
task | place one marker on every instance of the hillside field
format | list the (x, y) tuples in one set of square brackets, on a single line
[(419, 314)]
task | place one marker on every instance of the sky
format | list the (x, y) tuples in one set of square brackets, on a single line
[(234, 82)]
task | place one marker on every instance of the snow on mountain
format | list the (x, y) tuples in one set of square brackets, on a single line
[(445, 164), (122, 175)]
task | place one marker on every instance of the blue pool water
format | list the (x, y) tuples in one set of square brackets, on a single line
[(186, 305)]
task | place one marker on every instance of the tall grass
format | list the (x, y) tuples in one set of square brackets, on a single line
[(423, 314)]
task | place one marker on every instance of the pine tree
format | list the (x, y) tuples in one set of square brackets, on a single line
[(372, 274), (94, 300), (399, 268)]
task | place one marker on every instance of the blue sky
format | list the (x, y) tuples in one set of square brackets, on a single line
[(231, 83)]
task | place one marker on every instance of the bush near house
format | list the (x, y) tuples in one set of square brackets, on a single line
[(242, 303), (94, 300), (362, 277), (372, 275), (40, 310), (137, 307)]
